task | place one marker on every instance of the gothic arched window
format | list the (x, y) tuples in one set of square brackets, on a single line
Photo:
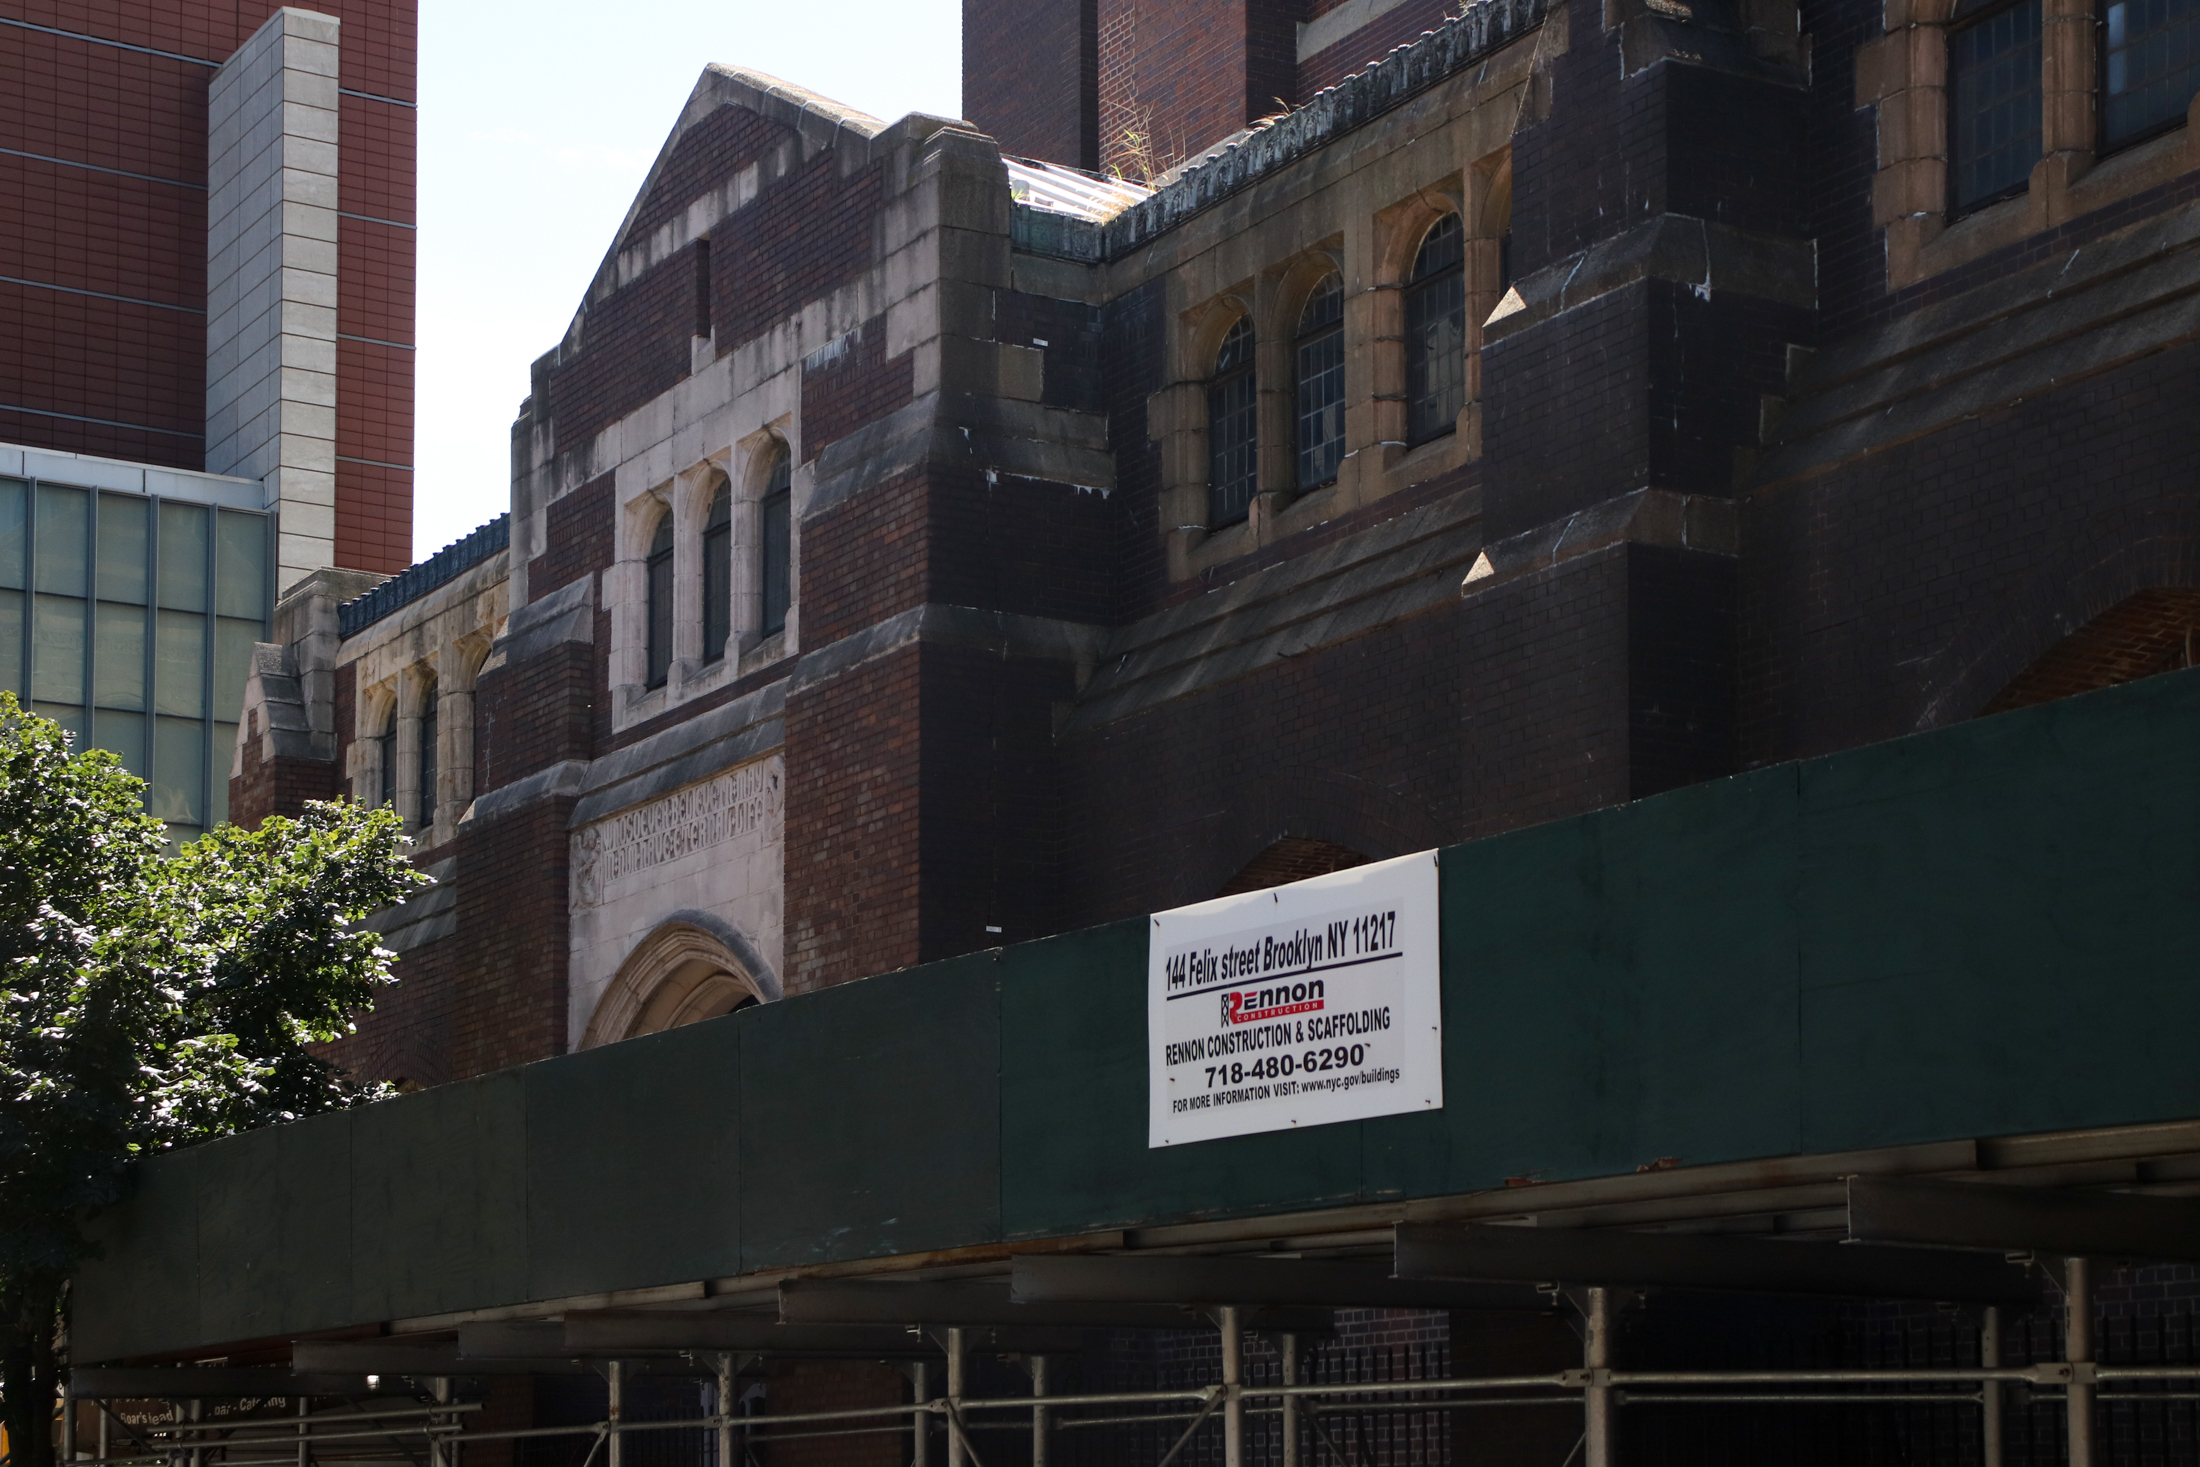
[(1321, 383), (1233, 461), (385, 748), (1436, 332), (775, 542), (718, 574), (660, 603), (424, 816)]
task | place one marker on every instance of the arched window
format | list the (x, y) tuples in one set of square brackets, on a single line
[(425, 814), (1436, 332), (660, 604), (1233, 463), (718, 574), (775, 542), (1321, 383), (385, 746), (1994, 97)]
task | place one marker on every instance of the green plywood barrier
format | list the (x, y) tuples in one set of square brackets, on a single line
[(1987, 930), (870, 1117), (634, 1163)]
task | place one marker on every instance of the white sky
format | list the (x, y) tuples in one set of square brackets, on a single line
[(537, 123)]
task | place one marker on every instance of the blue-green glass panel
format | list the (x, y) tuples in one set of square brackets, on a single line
[(179, 771), (57, 651), (64, 530), (122, 732), (14, 531), (217, 789), (240, 572), (124, 524), (118, 656), (233, 639), (11, 641), (183, 555), (179, 665)]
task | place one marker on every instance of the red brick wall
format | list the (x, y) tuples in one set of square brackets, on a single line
[(852, 827), (276, 786), (865, 559), (1370, 43), (1031, 77), (859, 386), (1189, 74), (790, 1387), (105, 351)]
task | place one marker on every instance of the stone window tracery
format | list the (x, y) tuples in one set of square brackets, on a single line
[(1233, 458), (1320, 364), (1436, 332)]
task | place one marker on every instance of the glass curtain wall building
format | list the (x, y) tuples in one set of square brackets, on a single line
[(130, 598)]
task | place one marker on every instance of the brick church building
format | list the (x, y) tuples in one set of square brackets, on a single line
[(1257, 440), (1215, 462)]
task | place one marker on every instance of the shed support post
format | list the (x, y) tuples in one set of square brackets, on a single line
[(104, 1450), (198, 1453), (441, 1451), (725, 1408), (1038, 1413), (956, 1457), (920, 1422), (2078, 1350), (1990, 1395), (65, 1448), (614, 1409), (1233, 1382), (304, 1451), (1290, 1344), (1596, 1432)]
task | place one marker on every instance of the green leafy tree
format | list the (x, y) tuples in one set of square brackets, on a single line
[(150, 999)]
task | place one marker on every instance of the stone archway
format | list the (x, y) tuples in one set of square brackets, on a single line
[(683, 972), (1294, 858), (2154, 631)]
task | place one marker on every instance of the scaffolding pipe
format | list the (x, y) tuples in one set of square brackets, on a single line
[(1989, 1355), (1290, 1352), (305, 1428), (1596, 1395), (615, 1411), (957, 1452), (920, 1425), (724, 1379), (2078, 1354), (1233, 1385), (1038, 1412)]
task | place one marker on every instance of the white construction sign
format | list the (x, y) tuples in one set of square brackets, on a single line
[(1298, 1006)]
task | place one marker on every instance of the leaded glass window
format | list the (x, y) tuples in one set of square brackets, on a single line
[(659, 578), (1994, 63), (775, 558), (424, 814), (1436, 332), (1321, 383), (718, 574), (1233, 461), (2150, 66)]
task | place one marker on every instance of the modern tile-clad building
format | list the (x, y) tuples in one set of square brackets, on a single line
[(111, 298), (205, 353), (130, 600)]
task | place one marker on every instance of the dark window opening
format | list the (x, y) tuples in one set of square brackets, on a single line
[(424, 816), (1505, 261), (718, 575), (2150, 67), (1233, 464), (776, 544), (702, 286), (1436, 333), (386, 743), (659, 577), (1994, 61), (1321, 383)]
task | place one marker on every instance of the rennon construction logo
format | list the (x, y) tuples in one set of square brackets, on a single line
[(1308, 1003)]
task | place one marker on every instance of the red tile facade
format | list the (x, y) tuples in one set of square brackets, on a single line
[(103, 250)]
